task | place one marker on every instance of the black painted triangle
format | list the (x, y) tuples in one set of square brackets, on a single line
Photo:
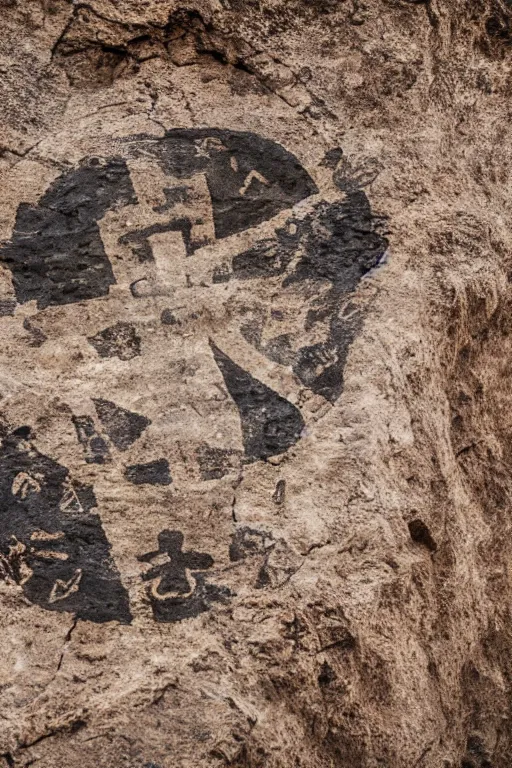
[(122, 426), (270, 423)]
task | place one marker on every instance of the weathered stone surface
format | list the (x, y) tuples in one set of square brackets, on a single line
[(255, 464)]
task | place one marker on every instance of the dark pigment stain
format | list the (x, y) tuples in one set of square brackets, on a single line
[(215, 463), (221, 274), (36, 336), (153, 473), (7, 307), (173, 196), (270, 424), (278, 497), (167, 317), (179, 589), (247, 542), (230, 161), (139, 239), (56, 253), (120, 340), (95, 448), (59, 549), (337, 244), (332, 157), (121, 425)]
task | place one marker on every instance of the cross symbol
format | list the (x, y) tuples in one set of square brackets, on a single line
[(172, 576)]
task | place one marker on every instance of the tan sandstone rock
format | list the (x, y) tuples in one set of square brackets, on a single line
[(255, 460)]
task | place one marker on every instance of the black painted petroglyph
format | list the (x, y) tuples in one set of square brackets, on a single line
[(140, 238), (250, 179), (168, 318), (173, 196), (121, 425), (332, 157), (301, 316), (120, 340), (140, 288), (337, 244), (7, 307), (221, 274), (270, 424), (36, 336), (215, 463), (56, 254), (153, 473), (95, 448), (247, 542), (179, 589), (58, 544)]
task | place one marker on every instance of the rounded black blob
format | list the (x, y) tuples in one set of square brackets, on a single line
[(168, 318), (23, 432)]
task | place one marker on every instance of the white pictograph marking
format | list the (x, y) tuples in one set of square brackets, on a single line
[(62, 589), (252, 176)]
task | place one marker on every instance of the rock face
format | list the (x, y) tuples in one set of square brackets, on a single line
[(256, 443)]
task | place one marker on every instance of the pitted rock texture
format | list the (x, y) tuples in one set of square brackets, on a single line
[(255, 461)]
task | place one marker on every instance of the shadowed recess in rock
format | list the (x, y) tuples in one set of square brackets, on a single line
[(270, 424), (153, 473), (50, 541), (56, 253), (178, 588), (121, 425)]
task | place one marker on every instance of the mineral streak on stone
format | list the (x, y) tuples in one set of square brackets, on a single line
[(270, 424), (51, 543)]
